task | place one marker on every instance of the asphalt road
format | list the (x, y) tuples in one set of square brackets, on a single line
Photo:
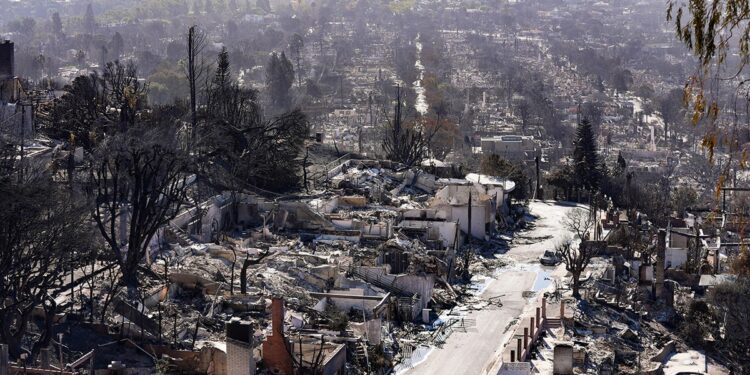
[(477, 350)]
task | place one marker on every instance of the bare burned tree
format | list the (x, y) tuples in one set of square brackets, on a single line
[(246, 266), (405, 143), (138, 183), (42, 229), (232, 268), (314, 366), (195, 69), (109, 280), (296, 43), (580, 222), (576, 260), (123, 91)]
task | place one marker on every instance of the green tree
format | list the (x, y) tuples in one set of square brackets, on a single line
[(671, 106), (242, 149), (279, 79), (83, 112), (57, 27), (494, 165), (76, 114), (622, 165), (645, 91), (89, 22), (594, 112), (523, 109), (222, 76), (224, 101), (698, 323), (103, 55), (116, 46), (622, 79), (166, 84), (586, 158), (562, 179)]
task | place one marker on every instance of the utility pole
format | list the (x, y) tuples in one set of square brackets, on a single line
[(191, 76), (536, 191), (369, 108), (341, 89), (467, 255), (23, 135), (60, 348)]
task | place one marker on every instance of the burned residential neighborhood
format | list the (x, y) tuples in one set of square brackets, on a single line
[(406, 187)]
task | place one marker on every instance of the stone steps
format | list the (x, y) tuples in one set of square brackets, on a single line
[(182, 237)]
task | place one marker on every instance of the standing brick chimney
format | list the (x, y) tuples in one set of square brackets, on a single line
[(525, 339), (276, 355), (277, 316), (519, 354)]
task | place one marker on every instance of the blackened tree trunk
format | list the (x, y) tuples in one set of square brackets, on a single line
[(406, 143), (576, 284), (195, 69), (138, 185), (576, 261), (245, 266)]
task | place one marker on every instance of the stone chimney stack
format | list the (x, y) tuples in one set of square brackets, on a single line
[(240, 360)]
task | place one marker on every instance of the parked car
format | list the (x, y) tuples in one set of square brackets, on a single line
[(550, 258)]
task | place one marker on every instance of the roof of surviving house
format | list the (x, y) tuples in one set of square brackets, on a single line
[(484, 179), (690, 362), (687, 232), (458, 195), (713, 280), (433, 163)]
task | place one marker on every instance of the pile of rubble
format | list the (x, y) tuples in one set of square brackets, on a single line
[(369, 269)]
